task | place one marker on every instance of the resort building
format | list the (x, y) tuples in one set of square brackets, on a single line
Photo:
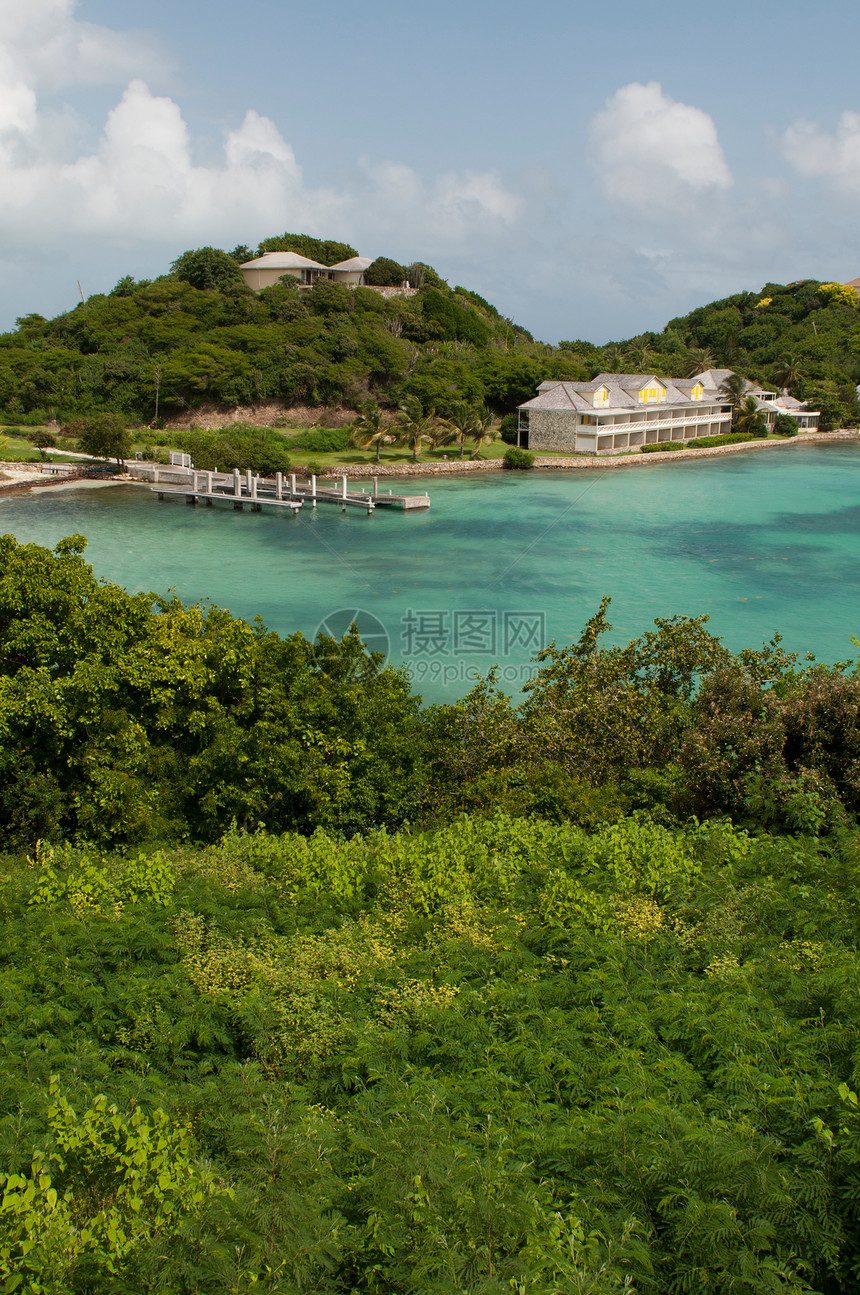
[(266, 270), (351, 271), (619, 412), (769, 403)]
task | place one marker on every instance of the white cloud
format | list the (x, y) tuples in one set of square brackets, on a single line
[(142, 180), (47, 45), (649, 150), (836, 156), (452, 208)]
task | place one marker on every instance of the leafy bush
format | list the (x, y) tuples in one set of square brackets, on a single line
[(457, 323), (702, 443), (323, 440), (785, 425), (325, 250), (205, 268), (516, 458), (235, 446), (385, 273), (509, 428)]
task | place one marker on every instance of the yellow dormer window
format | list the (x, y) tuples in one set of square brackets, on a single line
[(698, 391)]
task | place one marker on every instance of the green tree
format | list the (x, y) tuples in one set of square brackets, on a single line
[(733, 388), (698, 359), (417, 428), (463, 419), (789, 372), (326, 251), (105, 436), (385, 273), (748, 417), (371, 430), (208, 268), (43, 441), (483, 432)]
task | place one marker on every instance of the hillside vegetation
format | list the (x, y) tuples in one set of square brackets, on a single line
[(127, 718), (307, 989), (805, 337), (197, 336), (503, 1057)]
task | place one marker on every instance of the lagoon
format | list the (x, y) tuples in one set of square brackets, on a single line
[(761, 542)]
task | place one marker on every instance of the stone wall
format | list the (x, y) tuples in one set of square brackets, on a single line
[(552, 429)]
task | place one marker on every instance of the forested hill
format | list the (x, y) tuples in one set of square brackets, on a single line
[(198, 336), (804, 336)]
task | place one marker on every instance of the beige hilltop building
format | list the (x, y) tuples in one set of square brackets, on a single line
[(619, 412), (266, 270)]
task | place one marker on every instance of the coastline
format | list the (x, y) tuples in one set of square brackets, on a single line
[(586, 463), (24, 477)]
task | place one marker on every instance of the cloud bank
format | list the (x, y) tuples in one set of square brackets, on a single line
[(647, 150), (142, 180), (832, 155)]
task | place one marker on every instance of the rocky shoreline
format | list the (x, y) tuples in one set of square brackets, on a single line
[(556, 462)]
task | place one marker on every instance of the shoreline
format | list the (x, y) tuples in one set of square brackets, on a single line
[(23, 478), (584, 463)]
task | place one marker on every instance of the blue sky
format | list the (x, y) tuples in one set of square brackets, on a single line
[(593, 171)]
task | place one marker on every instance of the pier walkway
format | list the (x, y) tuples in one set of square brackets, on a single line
[(245, 489)]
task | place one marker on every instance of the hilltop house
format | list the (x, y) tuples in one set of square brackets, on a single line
[(624, 411), (268, 269)]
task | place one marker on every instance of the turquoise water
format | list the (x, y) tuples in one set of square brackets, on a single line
[(760, 541)]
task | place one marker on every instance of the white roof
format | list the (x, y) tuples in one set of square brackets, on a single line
[(354, 263), (282, 261)]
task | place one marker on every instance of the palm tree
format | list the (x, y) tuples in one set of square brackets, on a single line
[(733, 388), (641, 356), (699, 360), (747, 416), (416, 427), (789, 371), (483, 432), (462, 421), (612, 357), (369, 430)]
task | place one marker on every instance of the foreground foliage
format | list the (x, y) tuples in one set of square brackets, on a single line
[(505, 1056), (127, 718)]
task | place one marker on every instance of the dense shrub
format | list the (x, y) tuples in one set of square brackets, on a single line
[(385, 273), (235, 446), (325, 250), (204, 268), (516, 458), (455, 321), (785, 425), (504, 1055), (509, 428), (322, 440), (702, 443)]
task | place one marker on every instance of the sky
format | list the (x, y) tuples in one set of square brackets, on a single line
[(592, 170)]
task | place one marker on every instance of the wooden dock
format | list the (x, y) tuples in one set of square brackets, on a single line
[(246, 490)]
